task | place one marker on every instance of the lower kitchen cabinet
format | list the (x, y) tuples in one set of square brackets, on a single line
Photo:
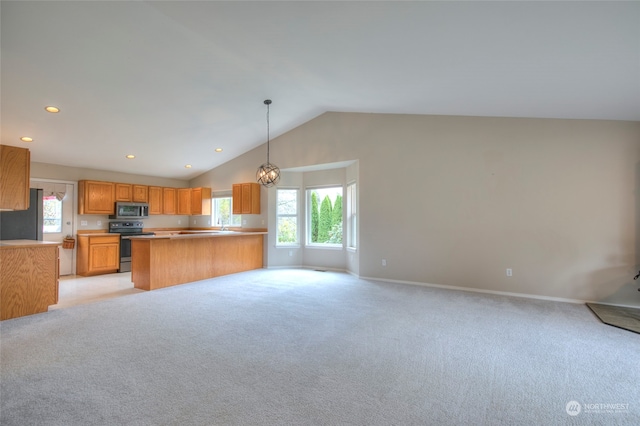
[(98, 254), (28, 277)]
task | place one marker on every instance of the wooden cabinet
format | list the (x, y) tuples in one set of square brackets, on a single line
[(155, 200), (165, 262), (140, 194), (169, 201), (28, 277), (130, 192), (98, 254), (200, 201), (15, 165), (184, 200), (95, 197), (123, 191), (246, 198)]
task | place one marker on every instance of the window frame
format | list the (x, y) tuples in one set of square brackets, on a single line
[(295, 215), (351, 202), (45, 218), (235, 219), (308, 242)]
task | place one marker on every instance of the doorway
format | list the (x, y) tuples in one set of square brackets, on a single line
[(58, 208)]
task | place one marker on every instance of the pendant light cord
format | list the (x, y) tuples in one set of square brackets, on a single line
[(268, 140)]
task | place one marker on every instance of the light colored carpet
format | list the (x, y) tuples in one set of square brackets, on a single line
[(300, 347)]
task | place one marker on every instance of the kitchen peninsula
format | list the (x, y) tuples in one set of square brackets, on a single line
[(28, 277), (159, 261)]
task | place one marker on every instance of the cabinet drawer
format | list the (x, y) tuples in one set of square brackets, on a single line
[(104, 240)]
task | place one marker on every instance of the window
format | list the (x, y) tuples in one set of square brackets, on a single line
[(351, 216), (324, 216), (287, 217), (222, 208), (51, 214)]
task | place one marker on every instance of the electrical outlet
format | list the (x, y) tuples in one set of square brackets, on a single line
[(99, 223), (83, 223), (290, 252), (384, 262), (179, 222), (194, 221), (509, 272), (244, 222), (208, 222)]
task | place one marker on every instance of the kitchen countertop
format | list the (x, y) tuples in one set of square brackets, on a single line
[(198, 234), (5, 244)]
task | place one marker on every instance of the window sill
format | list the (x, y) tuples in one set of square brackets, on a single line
[(324, 247)]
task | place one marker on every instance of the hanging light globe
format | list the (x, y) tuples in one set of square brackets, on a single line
[(268, 174)]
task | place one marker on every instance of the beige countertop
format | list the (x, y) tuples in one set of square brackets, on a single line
[(198, 234), (5, 244)]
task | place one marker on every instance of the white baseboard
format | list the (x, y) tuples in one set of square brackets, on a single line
[(451, 287), (479, 290)]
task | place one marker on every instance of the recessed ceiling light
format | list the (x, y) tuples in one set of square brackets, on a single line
[(218, 149), (52, 109), (131, 156), (188, 166), (26, 139)]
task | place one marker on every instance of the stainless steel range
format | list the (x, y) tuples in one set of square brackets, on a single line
[(126, 229)]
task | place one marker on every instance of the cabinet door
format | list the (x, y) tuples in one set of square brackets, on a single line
[(184, 200), (250, 198), (96, 197), (14, 177), (200, 201), (169, 200), (140, 194), (123, 192), (104, 257), (155, 200), (237, 198)]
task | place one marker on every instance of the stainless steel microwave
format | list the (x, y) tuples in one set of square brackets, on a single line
[(126, 210)]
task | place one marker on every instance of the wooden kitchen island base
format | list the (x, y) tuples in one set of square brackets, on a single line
[(158, 262), (28, 277)]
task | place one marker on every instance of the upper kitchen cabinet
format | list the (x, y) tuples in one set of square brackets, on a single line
[(140, 194), (184, 200), (96, 197), (155, 200), (130, 192), (169, 201), (123, 191), (200, 201), (246, 198), (14, 177)]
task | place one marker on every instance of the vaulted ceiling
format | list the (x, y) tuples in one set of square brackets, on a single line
[(171, 81)]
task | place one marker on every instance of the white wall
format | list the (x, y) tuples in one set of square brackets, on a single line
[(457, 200)]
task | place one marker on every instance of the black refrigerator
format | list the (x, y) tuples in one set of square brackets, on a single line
[(23, 224)]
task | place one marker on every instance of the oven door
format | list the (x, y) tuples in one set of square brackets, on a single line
[(125, 253)]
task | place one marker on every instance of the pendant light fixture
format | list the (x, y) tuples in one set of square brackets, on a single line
[(268, 174)]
